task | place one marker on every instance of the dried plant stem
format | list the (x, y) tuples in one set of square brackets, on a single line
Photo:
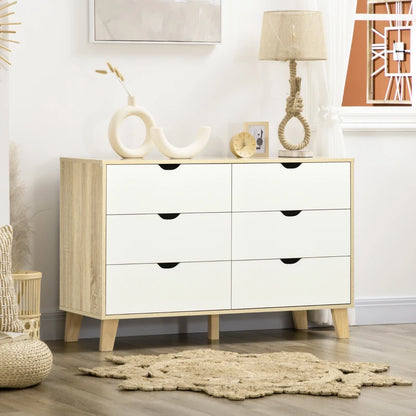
[(116, 73), (125, 88), (7, 14), (5, 60), (8, 5), (19, 215), (9, 40)]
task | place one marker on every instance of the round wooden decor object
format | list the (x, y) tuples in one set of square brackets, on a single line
[(243, 144)]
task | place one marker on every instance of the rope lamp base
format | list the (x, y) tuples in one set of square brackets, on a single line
[(294, 108)]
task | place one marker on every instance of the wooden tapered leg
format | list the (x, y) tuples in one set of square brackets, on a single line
[(213, 327), (73, 323), (340, 318), (300, 319), (108, 334)]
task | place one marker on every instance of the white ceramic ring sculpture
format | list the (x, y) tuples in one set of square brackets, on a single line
[(131, 110), (186, 152)]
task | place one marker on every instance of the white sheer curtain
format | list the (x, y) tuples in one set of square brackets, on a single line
[(328, 77), (327, 83)]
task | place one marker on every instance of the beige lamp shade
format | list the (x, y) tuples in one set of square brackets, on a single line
[(292, 34)]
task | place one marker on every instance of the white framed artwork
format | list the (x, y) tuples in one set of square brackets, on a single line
[(155, 21), (260, 131)]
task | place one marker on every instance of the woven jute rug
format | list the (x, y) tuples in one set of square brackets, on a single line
[(241, 376)]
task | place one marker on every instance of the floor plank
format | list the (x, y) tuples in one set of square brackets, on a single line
[(66, 392)]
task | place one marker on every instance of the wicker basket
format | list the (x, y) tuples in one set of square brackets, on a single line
[(27, 286)]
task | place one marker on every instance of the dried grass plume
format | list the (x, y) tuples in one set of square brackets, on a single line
[(117, 74), (19, 215)]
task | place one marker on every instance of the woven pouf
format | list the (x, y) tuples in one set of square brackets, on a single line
[(24, 363)]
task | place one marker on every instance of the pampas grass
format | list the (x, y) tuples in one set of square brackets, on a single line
[(19, 216)]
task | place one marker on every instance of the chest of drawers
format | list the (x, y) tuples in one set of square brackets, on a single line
[(176, 238)]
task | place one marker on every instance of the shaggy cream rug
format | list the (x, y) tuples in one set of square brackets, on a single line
[(240, 376)]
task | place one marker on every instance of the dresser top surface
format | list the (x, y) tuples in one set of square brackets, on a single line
[(131, 161)]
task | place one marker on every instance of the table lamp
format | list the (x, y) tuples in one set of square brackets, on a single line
[(293, 35)]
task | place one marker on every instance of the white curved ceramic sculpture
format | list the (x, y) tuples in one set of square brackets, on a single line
[(186, 152), (131, 110)]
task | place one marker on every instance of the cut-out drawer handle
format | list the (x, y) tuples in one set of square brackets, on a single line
[(169, 166), (168, 216), (291, 213), (290, 261), (291, 165), (167, 265)]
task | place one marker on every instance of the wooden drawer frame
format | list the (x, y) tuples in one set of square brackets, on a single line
[(83, 250)]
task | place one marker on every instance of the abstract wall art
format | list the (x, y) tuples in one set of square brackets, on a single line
[(155, 21)]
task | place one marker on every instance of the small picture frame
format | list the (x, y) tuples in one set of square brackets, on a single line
[(260, 131)]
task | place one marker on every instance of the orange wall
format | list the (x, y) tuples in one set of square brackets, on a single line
[(356, 81)]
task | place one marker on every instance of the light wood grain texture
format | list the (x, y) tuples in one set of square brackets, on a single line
[(73, 323), (206, 161), (213, 311), (213, 327), (82, 238), (83, 243), (108, 334), (300, 319), (340, 318)]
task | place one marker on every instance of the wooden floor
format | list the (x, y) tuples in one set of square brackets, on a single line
[(65, 392)]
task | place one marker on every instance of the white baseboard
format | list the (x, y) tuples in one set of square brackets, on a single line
[(374, 311), (371, 311)]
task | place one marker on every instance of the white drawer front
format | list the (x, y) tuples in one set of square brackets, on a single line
[(147, 288), (136, 189), (152, 239), (270, 235), (271, 283), (271, 186)]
